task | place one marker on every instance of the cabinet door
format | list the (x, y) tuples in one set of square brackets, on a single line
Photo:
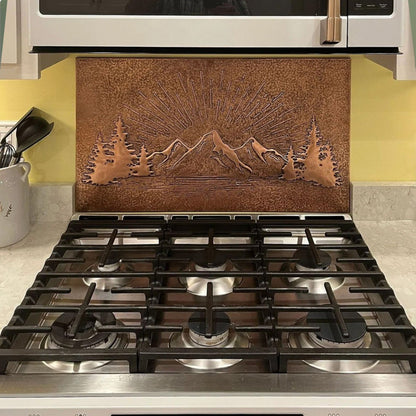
[(9, 55), (18, 62)]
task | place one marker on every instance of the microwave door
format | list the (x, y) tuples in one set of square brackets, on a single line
[(204, 8), (118, 24)]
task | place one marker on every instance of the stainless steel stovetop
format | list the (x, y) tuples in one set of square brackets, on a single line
[(285, 314)]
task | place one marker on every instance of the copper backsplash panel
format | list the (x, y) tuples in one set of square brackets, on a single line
[(198, 135)]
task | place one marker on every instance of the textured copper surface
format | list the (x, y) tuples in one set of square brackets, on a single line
[(244, 135)]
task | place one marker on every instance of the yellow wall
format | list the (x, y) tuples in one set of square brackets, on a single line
[(53, 159), (383, 130), (383, 134)]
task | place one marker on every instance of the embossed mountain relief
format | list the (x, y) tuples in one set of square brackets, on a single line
[(213, 134), (114, 159)]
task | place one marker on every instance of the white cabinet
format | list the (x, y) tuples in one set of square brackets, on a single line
[(10, 49), (17, 61)]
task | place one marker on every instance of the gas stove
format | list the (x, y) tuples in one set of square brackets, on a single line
[(290, 310)]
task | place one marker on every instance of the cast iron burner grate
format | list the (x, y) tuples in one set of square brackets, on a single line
[(264, 305)]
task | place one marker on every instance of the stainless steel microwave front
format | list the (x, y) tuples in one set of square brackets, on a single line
[(243, 24)]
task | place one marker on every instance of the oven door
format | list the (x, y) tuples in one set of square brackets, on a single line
[(188, 23)]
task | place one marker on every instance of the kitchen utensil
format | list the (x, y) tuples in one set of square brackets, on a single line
[(14, 203), (29, 132), (7, 152), (2, 147), (3, 140)]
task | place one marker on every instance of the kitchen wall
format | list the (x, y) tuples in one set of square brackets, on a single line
[(383, 135)]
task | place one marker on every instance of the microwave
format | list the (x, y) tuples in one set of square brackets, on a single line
[(324, 26)]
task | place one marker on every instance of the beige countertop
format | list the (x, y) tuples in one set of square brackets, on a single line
[(20, 263), (392, 243)]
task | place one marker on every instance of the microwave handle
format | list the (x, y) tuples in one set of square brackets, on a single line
[(333, 23)]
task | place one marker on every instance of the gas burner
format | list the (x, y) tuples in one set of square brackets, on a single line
[(221, 285), (112, 264), (306, 263), (223, 336), (198, 330), (210, 258), (330, 333), (330, 336), (86, 337)]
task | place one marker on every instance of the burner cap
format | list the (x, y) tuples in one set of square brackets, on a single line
[(112, 258), (210, 258), (221, 323), (306, 259), (330, 330), (112, 264), (87, 336)]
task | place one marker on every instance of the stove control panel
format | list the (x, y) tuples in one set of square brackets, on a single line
[(371, 7)]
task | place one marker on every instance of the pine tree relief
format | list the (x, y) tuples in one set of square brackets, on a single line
[(124, 155), (318, 163), (99, 170), (289, 171), (111, 161), (145, 167)]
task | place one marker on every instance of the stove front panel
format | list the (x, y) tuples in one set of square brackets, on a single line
[(238, 402), (213, 135)]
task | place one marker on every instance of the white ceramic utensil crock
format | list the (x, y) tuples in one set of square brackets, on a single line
[(14, 203)]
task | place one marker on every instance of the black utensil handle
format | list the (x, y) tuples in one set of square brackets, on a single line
[(16, 159)]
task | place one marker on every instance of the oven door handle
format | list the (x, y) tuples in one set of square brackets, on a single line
[(333, 23)]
